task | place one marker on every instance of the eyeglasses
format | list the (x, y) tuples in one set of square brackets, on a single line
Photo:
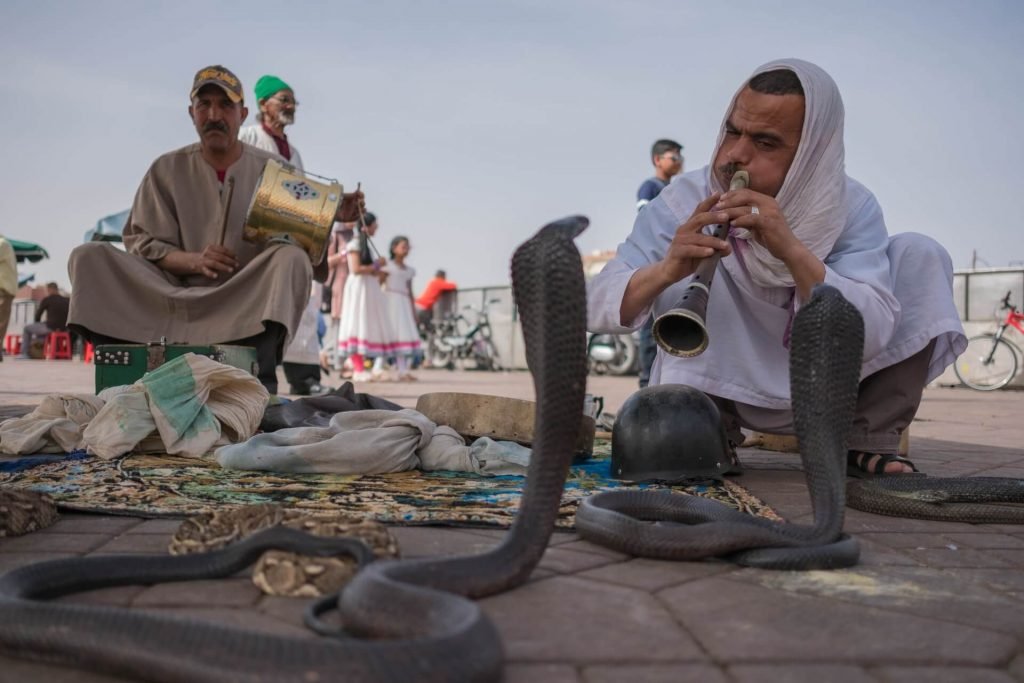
[(673, 157), (287, 101)]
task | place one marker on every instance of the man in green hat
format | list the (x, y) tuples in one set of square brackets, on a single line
[(277, 104), (187, 274)]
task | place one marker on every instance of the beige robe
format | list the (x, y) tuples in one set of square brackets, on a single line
[(179, 206)]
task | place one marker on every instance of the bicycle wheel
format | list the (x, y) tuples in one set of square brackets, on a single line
[(439, 355), (485, 355), (625, 362), (494, 360), (987, 363)]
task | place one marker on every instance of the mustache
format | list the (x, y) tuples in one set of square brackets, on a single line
[(728, 169), (215, 125)]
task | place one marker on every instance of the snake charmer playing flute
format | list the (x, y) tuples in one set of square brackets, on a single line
[(800, 222)]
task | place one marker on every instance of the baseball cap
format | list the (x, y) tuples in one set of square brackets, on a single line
[(221, 77)]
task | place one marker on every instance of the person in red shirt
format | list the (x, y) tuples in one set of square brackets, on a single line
[(431, 293)]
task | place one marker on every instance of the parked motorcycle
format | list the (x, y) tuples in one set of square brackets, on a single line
[(613, 354)]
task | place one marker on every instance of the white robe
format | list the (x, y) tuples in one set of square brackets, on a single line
[(901, 285), (305, 346), (260, 139)]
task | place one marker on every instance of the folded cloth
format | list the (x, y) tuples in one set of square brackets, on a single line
[(55, 426), (191, 403), (373, 442)]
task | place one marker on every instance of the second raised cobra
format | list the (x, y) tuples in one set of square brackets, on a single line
[(825, 360)]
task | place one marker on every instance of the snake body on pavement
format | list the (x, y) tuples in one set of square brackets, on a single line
[(977, 500), (417, 616), (825, 362)]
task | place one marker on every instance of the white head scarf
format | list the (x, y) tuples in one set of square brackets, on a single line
[(813, 192)]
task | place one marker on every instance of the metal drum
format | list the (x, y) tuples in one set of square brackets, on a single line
[(290, 206)]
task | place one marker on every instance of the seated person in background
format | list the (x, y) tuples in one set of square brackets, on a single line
[(802, 221), (431, 293), (55, 307), (181, 278)]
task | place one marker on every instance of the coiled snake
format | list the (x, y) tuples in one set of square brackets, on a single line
[(422, 625), (825, 361)]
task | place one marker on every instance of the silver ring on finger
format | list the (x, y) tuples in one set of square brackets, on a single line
[(754, 211)]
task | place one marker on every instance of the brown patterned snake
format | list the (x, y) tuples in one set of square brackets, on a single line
[(419, 624)]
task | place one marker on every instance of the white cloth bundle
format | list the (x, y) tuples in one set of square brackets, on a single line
[(812, 196), (374, 442), (186, 406), (55, 426)]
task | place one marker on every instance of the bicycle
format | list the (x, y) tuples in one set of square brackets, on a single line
[(990, 361), (447, 343)]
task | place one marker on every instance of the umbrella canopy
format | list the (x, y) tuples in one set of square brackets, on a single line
[(28, 251), (108, 229)]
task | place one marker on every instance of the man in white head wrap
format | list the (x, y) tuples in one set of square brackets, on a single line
[(801, 221)]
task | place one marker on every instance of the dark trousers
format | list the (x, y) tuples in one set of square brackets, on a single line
[(30, 333), (269, 345), (886, 404), (301, 376), (888, 401), (648, 349)]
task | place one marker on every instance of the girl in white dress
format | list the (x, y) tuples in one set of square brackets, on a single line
[(364, 329), (402, 308)]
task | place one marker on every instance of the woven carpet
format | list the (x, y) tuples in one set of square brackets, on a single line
[(169, 486)]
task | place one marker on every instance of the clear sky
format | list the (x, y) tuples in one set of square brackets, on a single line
[(471, 123)]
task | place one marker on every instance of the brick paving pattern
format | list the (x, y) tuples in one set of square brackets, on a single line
[(930, 601)]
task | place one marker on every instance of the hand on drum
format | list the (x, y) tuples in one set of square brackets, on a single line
[(353, 205), (213, 260)]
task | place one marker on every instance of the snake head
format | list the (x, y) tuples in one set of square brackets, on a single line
[(572, 226)]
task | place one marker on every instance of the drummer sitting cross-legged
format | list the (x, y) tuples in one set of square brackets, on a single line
[(187, 275)]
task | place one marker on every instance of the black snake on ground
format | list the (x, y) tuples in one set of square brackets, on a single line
[(978, 500), (825, 361), (417, 616)]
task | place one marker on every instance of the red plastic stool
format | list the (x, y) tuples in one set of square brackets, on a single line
[(12, 344), (58, 346), (88, 353)]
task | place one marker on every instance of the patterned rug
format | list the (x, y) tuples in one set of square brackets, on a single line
[(169, 486)]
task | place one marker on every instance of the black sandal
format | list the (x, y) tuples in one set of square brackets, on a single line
[(855, 465), (735, 466)]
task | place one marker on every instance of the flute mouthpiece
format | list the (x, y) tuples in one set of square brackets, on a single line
[(740, 180)]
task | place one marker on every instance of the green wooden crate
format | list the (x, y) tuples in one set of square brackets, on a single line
[(118, 364)]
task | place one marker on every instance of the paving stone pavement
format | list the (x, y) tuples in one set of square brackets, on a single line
[(936, 602)]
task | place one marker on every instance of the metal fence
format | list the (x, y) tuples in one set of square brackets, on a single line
[(978, 292)]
